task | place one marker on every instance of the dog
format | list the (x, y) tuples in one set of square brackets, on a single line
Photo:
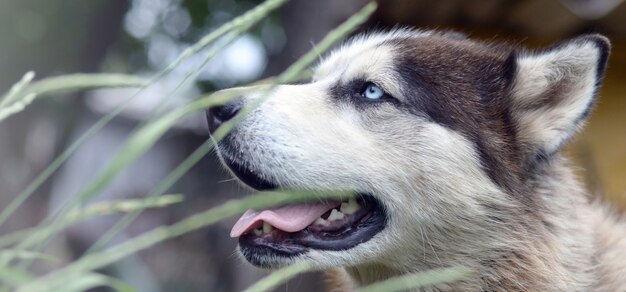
[(453, 146)]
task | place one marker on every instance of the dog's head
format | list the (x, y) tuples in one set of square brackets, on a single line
[(431, 129)]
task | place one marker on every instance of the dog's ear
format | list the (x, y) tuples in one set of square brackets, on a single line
[(553, 91)]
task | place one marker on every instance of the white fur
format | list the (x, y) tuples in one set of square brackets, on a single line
[(573, 70)]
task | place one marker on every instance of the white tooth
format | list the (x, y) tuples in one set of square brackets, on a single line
[(320, 221), (257, 232), (350, 207), (335, 215), (267, 228)]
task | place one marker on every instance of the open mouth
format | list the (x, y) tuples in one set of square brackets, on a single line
[(293, 229)]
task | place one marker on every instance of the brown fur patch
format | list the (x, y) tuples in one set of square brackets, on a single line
[(463, 85)]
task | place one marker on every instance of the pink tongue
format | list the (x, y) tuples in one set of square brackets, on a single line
[(290, 218)]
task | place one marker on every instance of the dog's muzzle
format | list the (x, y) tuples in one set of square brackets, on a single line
[(282, 232)]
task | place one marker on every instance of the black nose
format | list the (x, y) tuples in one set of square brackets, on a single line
[(220, 114)]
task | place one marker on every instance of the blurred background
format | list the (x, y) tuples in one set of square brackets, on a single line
[(143, 36)]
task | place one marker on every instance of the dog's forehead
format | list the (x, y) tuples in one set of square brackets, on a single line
[(428, 47), (364, 54)]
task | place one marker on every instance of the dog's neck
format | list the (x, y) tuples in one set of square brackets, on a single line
[(370, 273)]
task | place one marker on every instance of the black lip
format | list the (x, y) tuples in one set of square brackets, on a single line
[(249, 177), (259, 250)]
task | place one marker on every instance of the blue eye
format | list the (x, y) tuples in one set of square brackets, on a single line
[(372, 91)]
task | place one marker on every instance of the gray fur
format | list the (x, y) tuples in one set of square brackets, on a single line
[(454, 160)]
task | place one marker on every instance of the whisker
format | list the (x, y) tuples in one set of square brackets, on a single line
[(226, 180)]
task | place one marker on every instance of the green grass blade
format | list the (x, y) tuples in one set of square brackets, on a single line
[(253, 16), (328, 41), (26, 94), (418, 280), (136, 145), (145, 138), (78, 82), (24, 254), (89, 281), (13, 277), (192, 223), (208, 56), (278, 277), (43, 176), (17, 88), (29, 236), (123, 206), (162, 187)]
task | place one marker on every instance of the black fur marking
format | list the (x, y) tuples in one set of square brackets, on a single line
[(604, 48), (464, 86), (510, 68)]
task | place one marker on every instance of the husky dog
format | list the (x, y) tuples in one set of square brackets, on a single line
[(453, 147)]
